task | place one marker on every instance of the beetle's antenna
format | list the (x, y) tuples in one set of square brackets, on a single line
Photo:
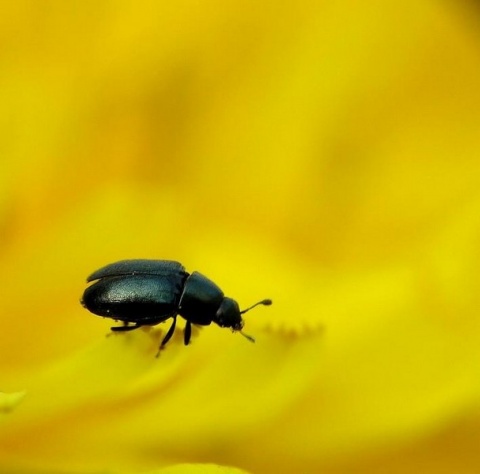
[(266, 302), (246, 336)]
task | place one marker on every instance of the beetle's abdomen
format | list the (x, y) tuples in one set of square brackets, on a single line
[(163, 268), (134, 298)]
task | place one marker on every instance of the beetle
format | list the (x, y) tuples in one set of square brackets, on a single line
[(148, 292)]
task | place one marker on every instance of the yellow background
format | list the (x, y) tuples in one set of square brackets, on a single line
[(322, 154)]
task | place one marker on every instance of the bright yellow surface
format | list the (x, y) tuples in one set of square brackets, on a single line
[(322, 154)]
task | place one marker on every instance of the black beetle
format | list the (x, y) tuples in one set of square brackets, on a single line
[(148, 292)]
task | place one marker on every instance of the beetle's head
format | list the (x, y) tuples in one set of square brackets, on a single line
[(229, 315)]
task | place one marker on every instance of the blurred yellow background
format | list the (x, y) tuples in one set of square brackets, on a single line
[(323, 154)]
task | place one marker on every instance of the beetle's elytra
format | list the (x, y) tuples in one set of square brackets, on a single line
[(148, 292)]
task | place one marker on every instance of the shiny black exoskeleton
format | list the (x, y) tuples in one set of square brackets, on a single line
[(148, 292)]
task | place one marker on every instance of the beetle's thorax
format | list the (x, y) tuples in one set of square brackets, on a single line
[(200, 300)]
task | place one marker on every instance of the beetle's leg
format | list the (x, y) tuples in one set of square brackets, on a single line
[(170, 332), (126, 328), (187, 333)]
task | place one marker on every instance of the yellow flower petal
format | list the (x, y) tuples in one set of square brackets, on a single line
[(198, 469), (322, 155), (9, 401)]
